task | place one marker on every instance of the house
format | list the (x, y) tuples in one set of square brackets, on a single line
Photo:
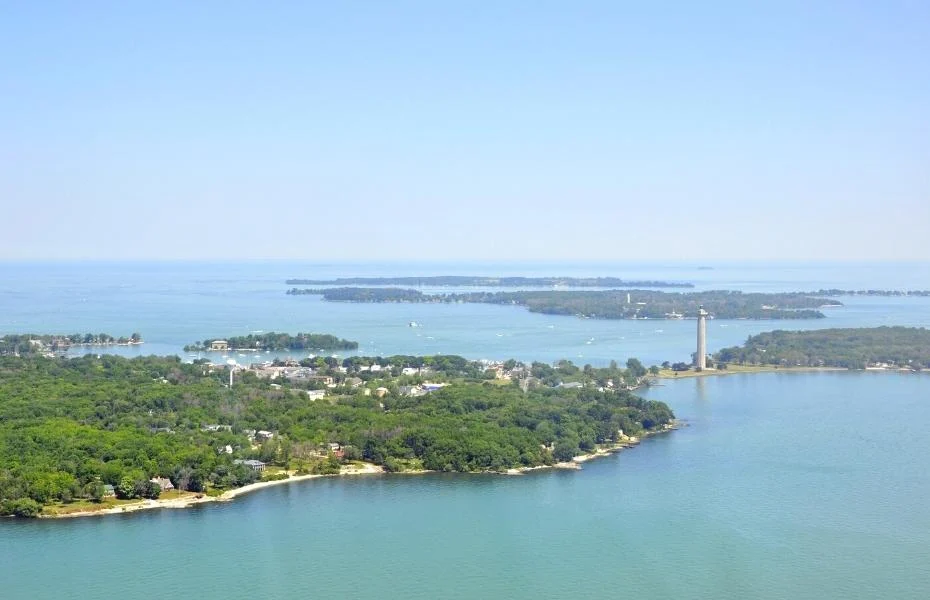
[(215, 427), (219, 346), (375, 368), (572, 385), (409, 371), (381, 391), (316, 394), (354, 382), (263, 435), (255, 465), (108, 491), (411, 390), (432, 387), (163, 482), (324, 379)]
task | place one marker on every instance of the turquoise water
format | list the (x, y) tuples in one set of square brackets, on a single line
[(783, 486)]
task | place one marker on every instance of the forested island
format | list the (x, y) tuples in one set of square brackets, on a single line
[(607, 304), (34, 343), (94, 431), (472, 281), (833, 292), (855, 348), (274, 342)]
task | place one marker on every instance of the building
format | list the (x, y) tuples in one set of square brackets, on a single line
[(219, 346), (700, 357), (255, 465), (163, 482), (316, 394)]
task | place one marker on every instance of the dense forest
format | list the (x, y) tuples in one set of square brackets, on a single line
[(850, 348), (279, 341), (608, 304), (33, 343), (69, 427), (462, 281)]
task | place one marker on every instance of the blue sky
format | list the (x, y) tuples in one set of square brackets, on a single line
[(465, 130)]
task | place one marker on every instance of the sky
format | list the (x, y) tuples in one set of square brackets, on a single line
[(465, 130)]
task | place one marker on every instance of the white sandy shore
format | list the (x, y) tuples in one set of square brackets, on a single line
[(362, 469), (194, 499)]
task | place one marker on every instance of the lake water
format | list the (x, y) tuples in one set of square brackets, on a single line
[(173, 304), (783, 486)]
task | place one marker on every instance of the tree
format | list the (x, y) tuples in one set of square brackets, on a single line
[(565, 450), (636, 367), (654, 370)]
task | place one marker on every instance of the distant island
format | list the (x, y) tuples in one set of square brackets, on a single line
[(854, 348), (607, 304), (91, 435), (33, 343), (473, 281), (274, 342), (835, 292)]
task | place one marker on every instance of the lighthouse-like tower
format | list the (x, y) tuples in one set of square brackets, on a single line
[(700, 357)]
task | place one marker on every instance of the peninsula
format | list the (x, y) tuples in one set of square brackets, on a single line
[(607, 304), (100, 433), (32, 343), (273, 342), (854, 348), (472, 281)]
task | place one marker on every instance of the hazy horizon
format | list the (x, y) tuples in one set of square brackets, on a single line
[(541, 131)]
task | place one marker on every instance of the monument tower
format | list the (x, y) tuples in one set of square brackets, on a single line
[(700, 357)]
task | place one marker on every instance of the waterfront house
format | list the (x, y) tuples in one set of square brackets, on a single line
[(219, 346), (163, 482), (255, 465), (108, 491)]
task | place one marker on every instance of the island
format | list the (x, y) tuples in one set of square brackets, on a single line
[(607, 304), (33, 343), (102, 434), (906, 348), (474, 281), (273, 342), (892, 293)]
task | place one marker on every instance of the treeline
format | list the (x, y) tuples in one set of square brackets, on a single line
[(30, 343), (608, 304), (69, 427), (463, 280), (856, 348), (279, 341), (835, 292)]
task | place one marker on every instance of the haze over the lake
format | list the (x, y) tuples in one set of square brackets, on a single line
[(519, 130)]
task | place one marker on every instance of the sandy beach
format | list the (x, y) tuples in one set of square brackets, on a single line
[(195, 498)]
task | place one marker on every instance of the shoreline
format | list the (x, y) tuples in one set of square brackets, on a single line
[(365, 469), (197, 498), (749, 370)]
